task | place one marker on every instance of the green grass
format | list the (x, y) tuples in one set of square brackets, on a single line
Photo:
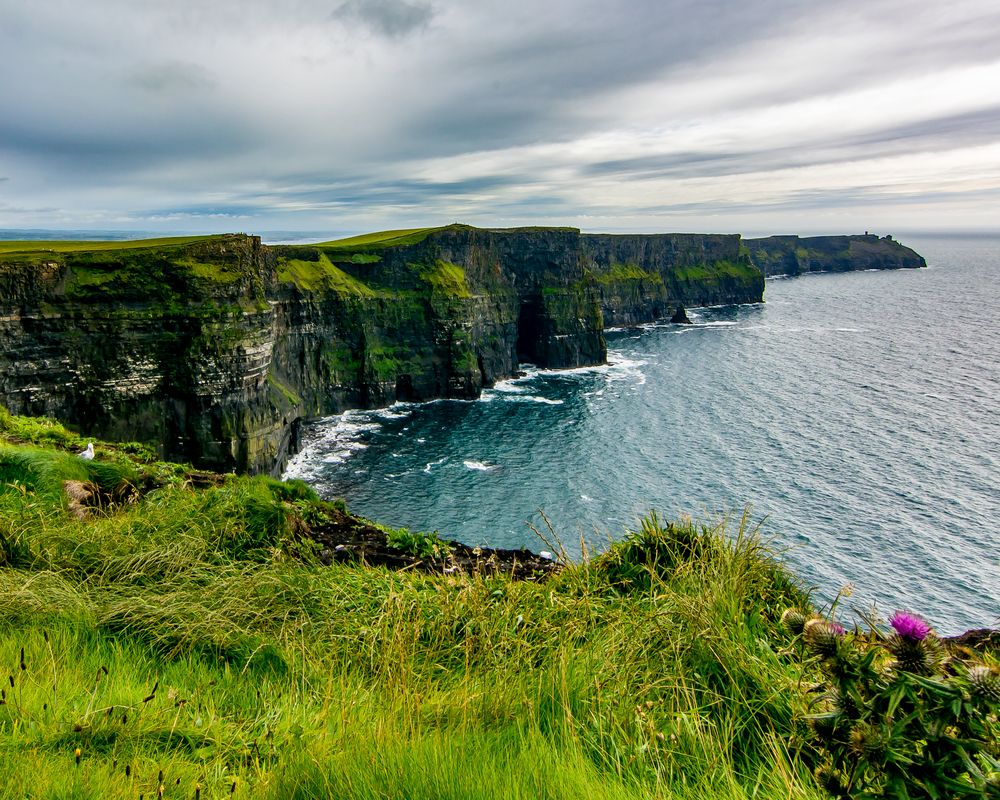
[(46, 246), (444, 278), (217, 273), (381, 239), (321, 274), (627, 272), (191, 632), (711, 274), (290, 396)]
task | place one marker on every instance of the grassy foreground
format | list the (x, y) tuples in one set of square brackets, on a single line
[(174, 641)]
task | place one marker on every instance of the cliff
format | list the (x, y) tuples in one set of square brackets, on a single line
[(215, 348), (641, 278), (794, 255)]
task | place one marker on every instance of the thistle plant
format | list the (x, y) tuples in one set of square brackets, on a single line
[(896, 717)]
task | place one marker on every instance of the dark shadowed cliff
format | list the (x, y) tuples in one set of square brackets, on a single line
[(641, 278)]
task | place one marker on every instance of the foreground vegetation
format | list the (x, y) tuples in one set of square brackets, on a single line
[(159, 639)]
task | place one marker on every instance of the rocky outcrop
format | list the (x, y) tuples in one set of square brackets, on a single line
[(680, 317), (795, 255), (216, 348)]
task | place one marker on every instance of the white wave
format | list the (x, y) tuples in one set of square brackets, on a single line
[(531, 398), (545, 400), (331, 440), (480, 466), (344, 451), (513, 385), (392, 412), (432, 464), (622, 368)]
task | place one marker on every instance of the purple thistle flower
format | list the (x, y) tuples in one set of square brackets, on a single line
[(909, 626), (837, 628)]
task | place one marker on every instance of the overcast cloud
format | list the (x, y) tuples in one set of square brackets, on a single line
[(643, 115)]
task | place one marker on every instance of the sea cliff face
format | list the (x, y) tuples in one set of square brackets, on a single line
[(216, 348), (641, 278), (795, 255)]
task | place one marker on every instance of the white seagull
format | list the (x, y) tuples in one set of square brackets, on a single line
[(88, 454)]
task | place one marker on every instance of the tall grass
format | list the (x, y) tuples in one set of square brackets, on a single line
[(649, 671)]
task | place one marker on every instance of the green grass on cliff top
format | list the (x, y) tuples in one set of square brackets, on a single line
[(381, 239), (46, 246), (182, 643)]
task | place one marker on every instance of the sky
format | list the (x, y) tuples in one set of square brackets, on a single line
[(752, 116)]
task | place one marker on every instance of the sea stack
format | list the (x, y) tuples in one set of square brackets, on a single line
[(680, 316)]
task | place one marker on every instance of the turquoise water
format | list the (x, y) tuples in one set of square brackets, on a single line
[(856, 414)]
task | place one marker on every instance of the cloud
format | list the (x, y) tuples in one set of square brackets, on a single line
[(170, 77), (392, 18), (594, 112)]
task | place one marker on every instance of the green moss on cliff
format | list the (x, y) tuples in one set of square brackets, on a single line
[(617, 273), (320, 275), (386, 362), (443, 277), (340, 361), (210, 271), (290, 397), (714, 273)]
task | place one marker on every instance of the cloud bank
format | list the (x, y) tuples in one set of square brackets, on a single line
[(770, 116)]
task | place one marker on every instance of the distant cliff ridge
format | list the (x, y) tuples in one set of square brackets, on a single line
[(795, 255), (216, 348)]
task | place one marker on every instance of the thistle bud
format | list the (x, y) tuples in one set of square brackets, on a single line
[(793, 621), (984, 682), (845, 704), (822, 637), (865, 741), (825, 726), (917, 656), (832, 780)]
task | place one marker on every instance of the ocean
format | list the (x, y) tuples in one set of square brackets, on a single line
[(855, 415)]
